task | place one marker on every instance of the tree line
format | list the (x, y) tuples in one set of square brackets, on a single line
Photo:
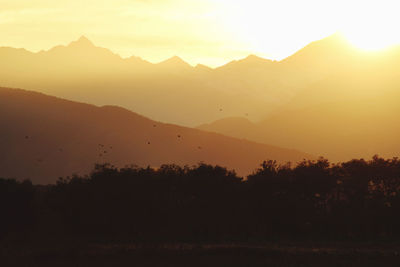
[(313, 200)]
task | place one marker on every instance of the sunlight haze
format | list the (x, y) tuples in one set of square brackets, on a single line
[(210, 32), (201, 133)]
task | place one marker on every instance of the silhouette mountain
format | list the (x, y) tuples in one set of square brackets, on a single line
[(201, 67), (351, 113), (82, 48), (347, 108), (175, 92), (251, 60), (174, 65), (326, 53), (84, 72), (82, 42), (234, 126), (67, 137), (174, 62)]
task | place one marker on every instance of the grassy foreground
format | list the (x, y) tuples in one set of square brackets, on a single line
[(201, 255)]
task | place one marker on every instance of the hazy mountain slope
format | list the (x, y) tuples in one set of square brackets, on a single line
[(352, 112), (235, 127), (342, 117), (340, 130), (171, 91), (329, 54), (83, 72), (44, 137)]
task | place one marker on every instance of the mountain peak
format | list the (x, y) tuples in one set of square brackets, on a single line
[(174, 61), (249, 61), (202, 67), (254, 59), (334, 47), (83, 41)]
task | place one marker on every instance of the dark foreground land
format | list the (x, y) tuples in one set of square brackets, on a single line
[(312, 214), (204, 255)]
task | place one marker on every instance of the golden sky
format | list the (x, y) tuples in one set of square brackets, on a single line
[(210, 32)]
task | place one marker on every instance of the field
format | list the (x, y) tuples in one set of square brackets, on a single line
[(242, 255)]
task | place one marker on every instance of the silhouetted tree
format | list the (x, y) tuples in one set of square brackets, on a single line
[(311, 200)]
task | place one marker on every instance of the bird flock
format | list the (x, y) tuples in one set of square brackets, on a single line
[(104, 150)]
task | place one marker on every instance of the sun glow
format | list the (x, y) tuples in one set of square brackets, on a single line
[(278, 28), (374, 26), (371, 41), (210, 32)]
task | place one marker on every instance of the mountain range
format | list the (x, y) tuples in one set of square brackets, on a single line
[(352, 113), (329, 98), (252, 87), (44, 138)]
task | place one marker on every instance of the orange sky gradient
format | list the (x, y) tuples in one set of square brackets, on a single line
[(210, 32)]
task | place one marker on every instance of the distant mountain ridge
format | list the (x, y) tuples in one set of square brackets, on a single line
[(44, 137), (343, 117), (81, 71), (312, 101)]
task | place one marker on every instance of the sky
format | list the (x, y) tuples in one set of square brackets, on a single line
[(210, 32)]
